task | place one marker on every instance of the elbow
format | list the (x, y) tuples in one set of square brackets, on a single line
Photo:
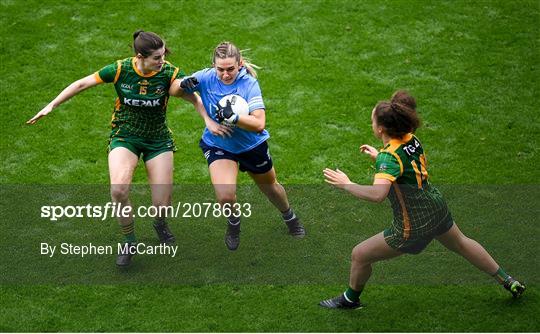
[(79, 85), (379, 199), (379, 191), (259, 127)]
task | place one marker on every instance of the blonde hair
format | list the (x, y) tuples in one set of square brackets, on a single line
[(229, 50)]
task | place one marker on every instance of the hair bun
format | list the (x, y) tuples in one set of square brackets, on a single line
[(137, 33)]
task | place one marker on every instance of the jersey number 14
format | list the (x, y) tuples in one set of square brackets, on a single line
[(420, 171)]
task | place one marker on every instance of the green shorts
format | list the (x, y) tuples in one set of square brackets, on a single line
[(417, 242), (148, 148)]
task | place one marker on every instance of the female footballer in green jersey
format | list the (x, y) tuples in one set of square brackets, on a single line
[(139, 127), (420, 212)]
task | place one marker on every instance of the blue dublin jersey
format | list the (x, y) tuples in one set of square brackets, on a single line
[(212, 90)]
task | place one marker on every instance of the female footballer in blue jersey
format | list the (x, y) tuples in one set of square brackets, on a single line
[(139, 127), (231, 141), (420, 212)]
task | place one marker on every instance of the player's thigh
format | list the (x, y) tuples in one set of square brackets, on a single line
[(452, 238), (160, 168), (265, 178), (223, 173), (160, 177), (122, 164), (373, 249)]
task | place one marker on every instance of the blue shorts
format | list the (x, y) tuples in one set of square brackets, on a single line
[(256, 161)]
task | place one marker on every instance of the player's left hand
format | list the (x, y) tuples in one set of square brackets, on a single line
[(369, 150), (336, 177), (226, 115)]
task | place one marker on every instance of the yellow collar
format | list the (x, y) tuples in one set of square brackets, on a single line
[(402, 140), (134, 63)]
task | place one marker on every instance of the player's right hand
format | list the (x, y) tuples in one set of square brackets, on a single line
[(218, 129), (40, 114), (189, 84), (369, 150)]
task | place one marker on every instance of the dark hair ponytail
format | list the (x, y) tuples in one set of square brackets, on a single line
[(136, 34), (397, 118), (145, 43)]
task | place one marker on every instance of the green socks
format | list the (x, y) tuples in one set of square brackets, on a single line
[(353, 295), (501, 276), (129, 232)]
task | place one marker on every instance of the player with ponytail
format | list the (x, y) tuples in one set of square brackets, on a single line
[(420, 211), (233, 141), (138, 127)]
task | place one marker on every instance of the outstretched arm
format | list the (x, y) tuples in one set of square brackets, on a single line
[(373, 193), (70, 91)]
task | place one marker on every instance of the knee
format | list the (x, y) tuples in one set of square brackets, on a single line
[(226, 197), (359, 256), (273, 189), (119, 193), (162, 203)]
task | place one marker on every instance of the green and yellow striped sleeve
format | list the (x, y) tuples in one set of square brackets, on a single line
[(388, 166)]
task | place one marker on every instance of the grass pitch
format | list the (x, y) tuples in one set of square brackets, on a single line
[(473, 67)]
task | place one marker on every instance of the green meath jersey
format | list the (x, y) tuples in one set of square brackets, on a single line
[(141, 105), (418, 207)]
